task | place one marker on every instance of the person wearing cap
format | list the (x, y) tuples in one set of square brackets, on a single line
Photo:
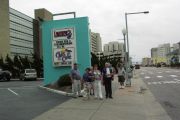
[(76, 80)]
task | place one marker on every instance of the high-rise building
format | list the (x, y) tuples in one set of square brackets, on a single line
[(154, 52), (154, 55), (17, 32), (21, 33), (175, 46), (160, 54), (163, 50), (106, 47), (96, 43), (4, 28), (40, 16), (114, 49), (114, 46)]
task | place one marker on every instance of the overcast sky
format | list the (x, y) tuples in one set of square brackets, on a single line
[(161, 25)]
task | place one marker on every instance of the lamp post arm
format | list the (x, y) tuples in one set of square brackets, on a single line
[(145, 12)]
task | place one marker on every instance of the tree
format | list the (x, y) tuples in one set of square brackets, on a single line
[(94, 59), (17, 65), (1, 63), (38, 65), (25, 62)]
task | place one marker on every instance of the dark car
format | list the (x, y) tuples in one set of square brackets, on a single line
[(5, 75), (158, 65), (137, 66)]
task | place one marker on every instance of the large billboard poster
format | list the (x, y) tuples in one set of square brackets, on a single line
[(63, 45)]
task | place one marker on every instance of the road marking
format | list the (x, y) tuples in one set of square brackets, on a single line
[(13, 92), (173, 75), (159, 76), (147, 77), (164, 82), (176, 79)]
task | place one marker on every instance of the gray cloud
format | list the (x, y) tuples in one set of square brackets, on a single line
[(161, 25)]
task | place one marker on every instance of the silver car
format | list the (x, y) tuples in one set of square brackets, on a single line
[(28, 74)]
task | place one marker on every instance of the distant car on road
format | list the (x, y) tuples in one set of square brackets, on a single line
[(5, 75), (137, 66), (28, 74), (158, 65)]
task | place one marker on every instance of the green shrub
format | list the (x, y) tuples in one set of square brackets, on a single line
[(64, 80)]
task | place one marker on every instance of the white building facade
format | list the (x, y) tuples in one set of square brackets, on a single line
[(96, 43)]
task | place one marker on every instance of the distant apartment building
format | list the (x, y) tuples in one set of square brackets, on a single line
[(175, 46), (160, 54), (96, 43), (114, 49), (154, 55), (163, 51)]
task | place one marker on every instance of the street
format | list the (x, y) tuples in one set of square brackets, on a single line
[(24, 100), (164, 83)]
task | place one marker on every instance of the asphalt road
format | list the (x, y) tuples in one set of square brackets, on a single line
[(24, 100), (165, 85)]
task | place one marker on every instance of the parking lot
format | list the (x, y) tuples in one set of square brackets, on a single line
[(24, 100)]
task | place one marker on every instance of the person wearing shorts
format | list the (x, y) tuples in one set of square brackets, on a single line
[(121, 76)]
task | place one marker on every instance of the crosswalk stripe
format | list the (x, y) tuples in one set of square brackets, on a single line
[(173, 75), (147, 77), (159, 76)]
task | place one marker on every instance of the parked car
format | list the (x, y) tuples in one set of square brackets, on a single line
[(28, 74), (5, 75)]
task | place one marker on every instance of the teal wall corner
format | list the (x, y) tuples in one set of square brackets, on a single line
[(81, 25)]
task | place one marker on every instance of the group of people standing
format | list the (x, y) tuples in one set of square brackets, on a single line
[(93, 79)]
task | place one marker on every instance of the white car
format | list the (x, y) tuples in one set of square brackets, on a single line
[(28, 74)]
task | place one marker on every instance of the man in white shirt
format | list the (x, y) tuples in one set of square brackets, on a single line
[(107, 79)]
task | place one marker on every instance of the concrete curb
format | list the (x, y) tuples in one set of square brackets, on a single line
[(56, 91)]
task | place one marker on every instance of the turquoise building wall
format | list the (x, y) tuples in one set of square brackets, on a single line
[(81, 25)]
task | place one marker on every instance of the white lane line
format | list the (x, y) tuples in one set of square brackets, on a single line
[(147, 77), (176, 79), (150, 72), (13, 92), (159, 76), (173, 75)]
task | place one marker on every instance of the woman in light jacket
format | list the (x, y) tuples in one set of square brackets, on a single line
[(97, 83)]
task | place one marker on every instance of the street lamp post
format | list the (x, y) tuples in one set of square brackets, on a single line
[(124, 32), (126, 14), (128, 60)]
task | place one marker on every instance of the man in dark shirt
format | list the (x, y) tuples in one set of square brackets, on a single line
[(107, 79)]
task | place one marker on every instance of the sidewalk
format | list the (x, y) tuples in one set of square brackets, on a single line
[(128, 104)]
